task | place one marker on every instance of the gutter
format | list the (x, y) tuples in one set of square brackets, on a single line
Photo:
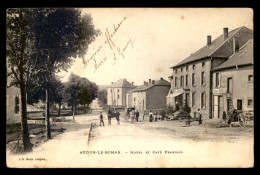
[(231, 67)]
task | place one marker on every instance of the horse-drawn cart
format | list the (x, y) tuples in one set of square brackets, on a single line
[(241, 118)]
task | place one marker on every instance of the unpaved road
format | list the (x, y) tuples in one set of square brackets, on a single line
[(133, 145)]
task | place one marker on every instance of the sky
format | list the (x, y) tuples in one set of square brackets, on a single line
[(145, 42)]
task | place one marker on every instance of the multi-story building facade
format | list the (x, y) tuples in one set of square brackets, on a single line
[(191, 81), (233, 82), (116, 92), (150, 96)]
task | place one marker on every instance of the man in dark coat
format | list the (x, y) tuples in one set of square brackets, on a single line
[(101, 119), (109, 117), (117, 117), (137, 115), (200, 116)]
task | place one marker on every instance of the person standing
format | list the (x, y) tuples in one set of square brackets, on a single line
[(177, 107), (150, 116), (117, 117), (101, 119), (132, 116), (137, 115), (200, 116), (155, 116), (109, 117)]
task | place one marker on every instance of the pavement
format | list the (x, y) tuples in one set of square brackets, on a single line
[(132, 145)]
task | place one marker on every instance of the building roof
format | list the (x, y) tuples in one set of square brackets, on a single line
[(208, 51), (157, 83), (101, 87), (122, 83), (244, 56)]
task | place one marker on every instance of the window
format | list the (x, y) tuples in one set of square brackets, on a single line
[(176, 71), (202, 78), (118, 96), (181, 69), (203, 100), (229, 104), (193, 79), (176, 79), (117, 90), (16, 106), (187, 68), (229, 85), (193, 99), (111, 90), (193, 67), (187, 80), (250, 78), (182, 81), (250, 103), (217, 80), (203, 64)]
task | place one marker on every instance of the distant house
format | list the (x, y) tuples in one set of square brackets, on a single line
[(150, 96), (116, 92), (233, 82), (13, 105), (191, 81)]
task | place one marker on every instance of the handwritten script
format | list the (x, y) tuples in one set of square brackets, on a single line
[(118, 51)]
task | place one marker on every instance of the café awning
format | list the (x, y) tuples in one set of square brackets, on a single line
[(174, 94)]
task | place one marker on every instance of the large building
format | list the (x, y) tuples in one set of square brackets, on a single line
[(191, 81), (116, 93), (233, 82), (150, 96)]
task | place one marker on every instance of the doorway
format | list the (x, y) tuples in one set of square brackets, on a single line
[(218, 107), (239, 104)]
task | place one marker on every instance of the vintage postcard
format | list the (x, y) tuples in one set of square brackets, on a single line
[(129, 88)]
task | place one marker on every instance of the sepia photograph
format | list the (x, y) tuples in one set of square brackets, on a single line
[(129, 87)]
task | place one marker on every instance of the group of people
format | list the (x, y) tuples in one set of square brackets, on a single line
[(152, 117), (134, 116), (110, 114)]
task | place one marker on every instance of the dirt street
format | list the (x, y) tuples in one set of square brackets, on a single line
[(141, 144)]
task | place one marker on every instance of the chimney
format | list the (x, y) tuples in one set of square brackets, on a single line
[(208, 40), (153, 81), (150, 81), (235, 44), (111, 82), (161, 78), (132, 83), (225, 33), (144, 83)]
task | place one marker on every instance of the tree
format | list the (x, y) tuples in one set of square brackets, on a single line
[(59, 35), (102, 96), (36, 91), (18, 51), (71, 92), (87, 92), (79, 90)]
